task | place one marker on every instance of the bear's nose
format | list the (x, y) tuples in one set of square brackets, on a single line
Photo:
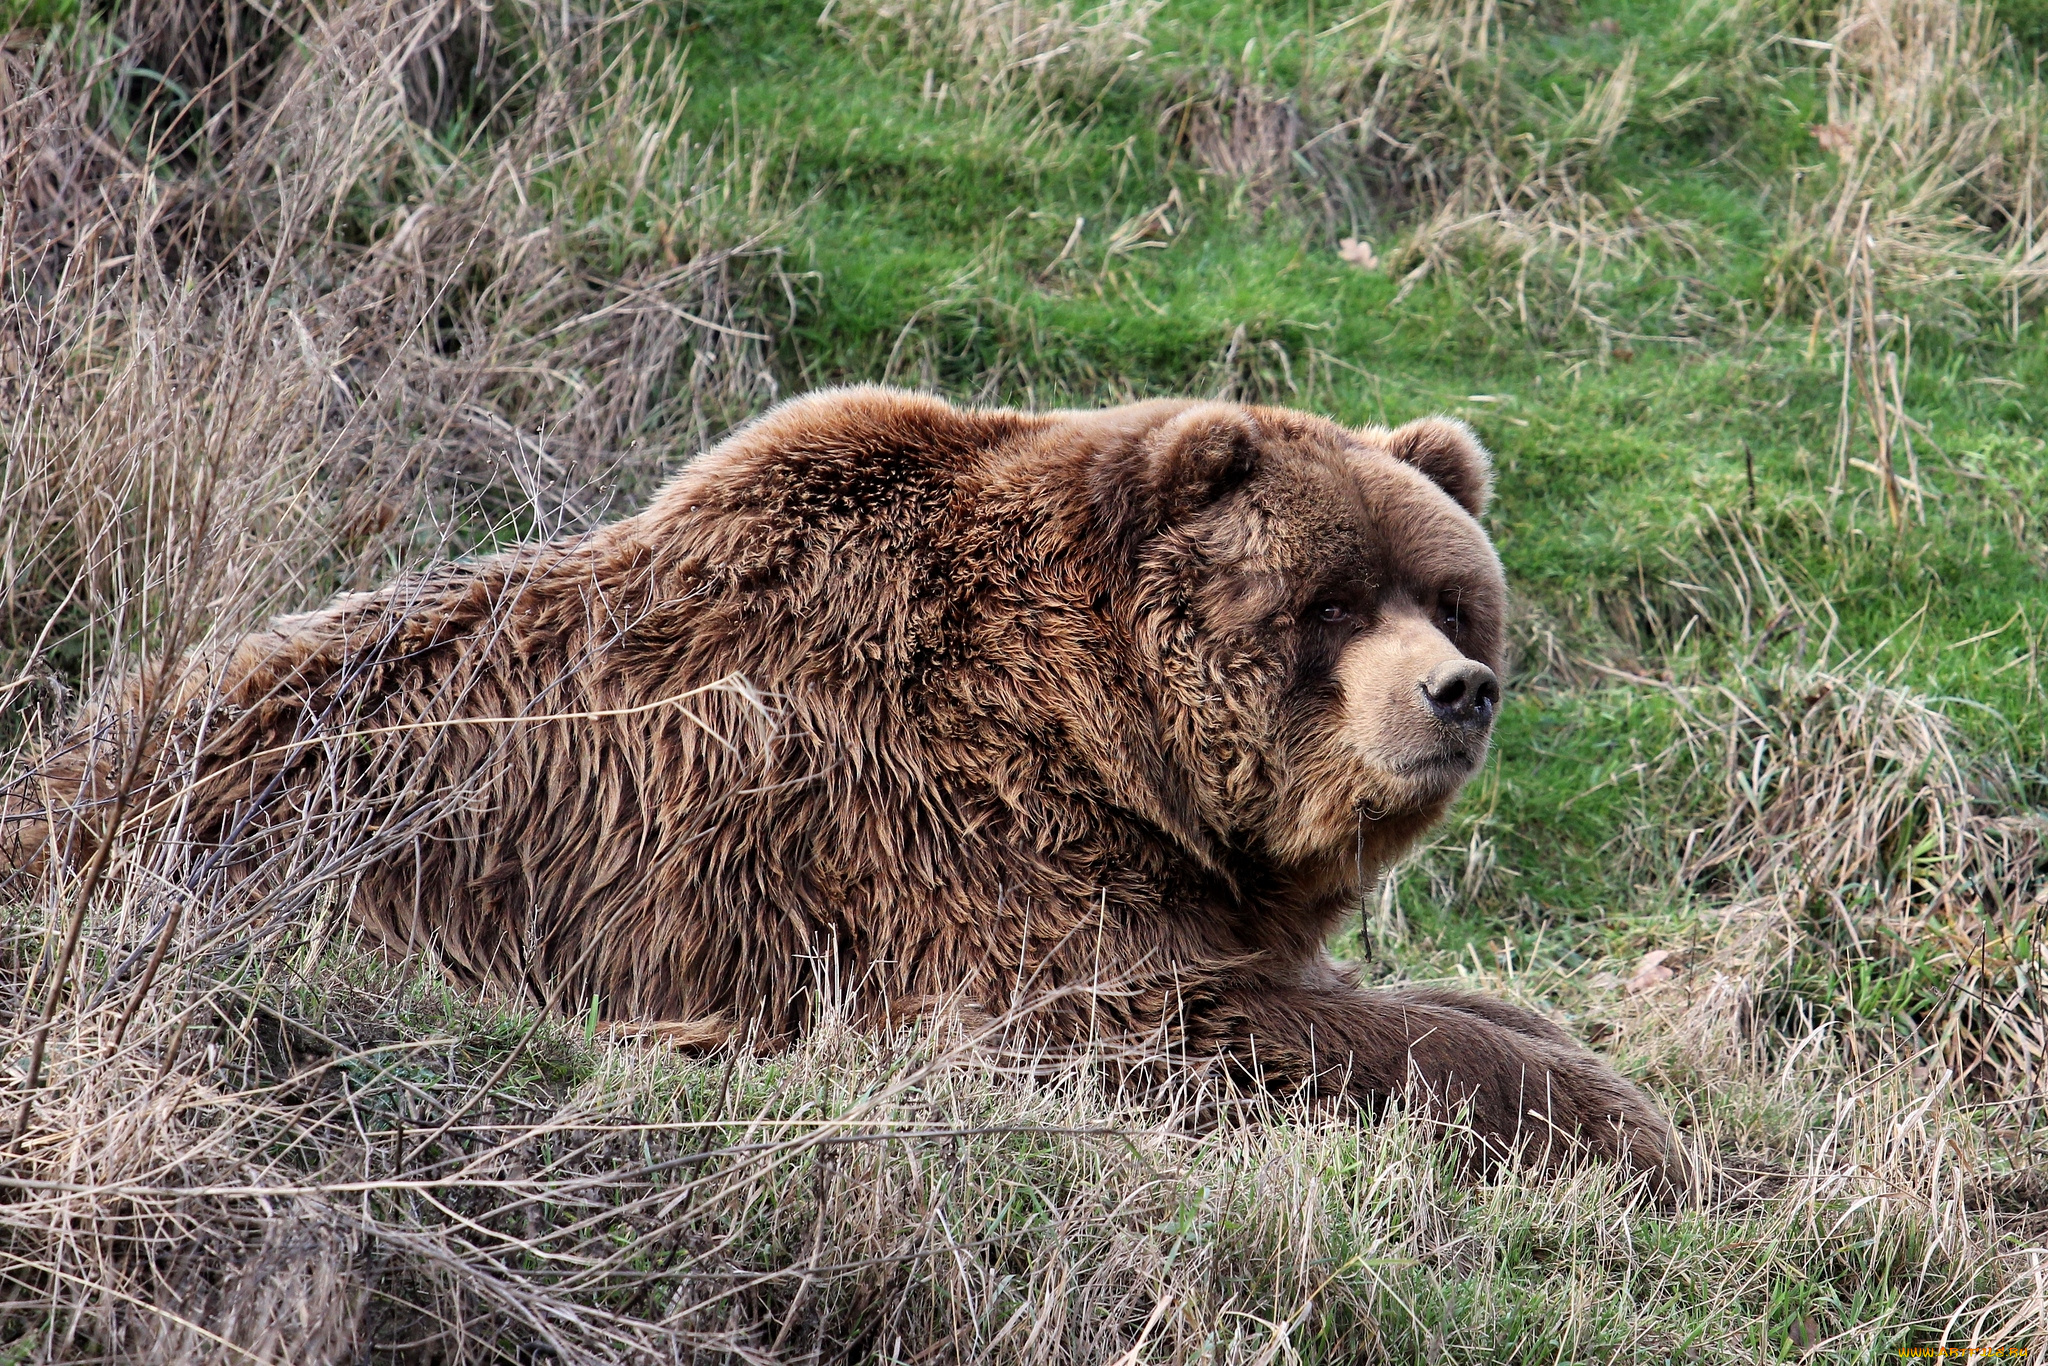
[(1462, 692)]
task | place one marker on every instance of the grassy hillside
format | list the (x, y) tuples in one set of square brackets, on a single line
[(1746, 298)]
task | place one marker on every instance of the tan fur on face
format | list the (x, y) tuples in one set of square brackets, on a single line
[(997, 708), (1342, 511)]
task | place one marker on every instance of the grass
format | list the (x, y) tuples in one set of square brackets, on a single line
[(1744, 297)]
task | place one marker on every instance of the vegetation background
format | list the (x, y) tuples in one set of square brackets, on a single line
[(1745, 294)]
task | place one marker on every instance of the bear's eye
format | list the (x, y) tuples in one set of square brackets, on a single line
[(1450, 612), (1331, 611)]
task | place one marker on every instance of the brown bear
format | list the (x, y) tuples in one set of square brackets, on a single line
[(1103, 720)]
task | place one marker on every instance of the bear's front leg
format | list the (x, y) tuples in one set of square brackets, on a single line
[(1525, 1089)]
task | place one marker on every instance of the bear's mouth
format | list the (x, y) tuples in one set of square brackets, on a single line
[(1443, 763), (1435, 777)]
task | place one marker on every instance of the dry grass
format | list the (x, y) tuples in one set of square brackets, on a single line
[(993, 53), (246, 357), (1429, 102), (248, 1177), (1933, 168), (1248, 136), (274, 325), (1929, 195), (1851, 842)]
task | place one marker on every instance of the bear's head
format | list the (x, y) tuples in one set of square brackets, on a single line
[(1323, 613)]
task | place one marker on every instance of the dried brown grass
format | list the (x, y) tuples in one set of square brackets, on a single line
[(1857, 854), (1248, 136), (993, 53), (1928, 198), (308, 1156), (242, 372), (283, 333), (1934, 168)]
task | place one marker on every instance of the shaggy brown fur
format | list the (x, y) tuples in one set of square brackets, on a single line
[(1112, 715)]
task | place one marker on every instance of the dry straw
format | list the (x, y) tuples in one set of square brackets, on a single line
[(292, 307), (995, 51), (1930, 188)]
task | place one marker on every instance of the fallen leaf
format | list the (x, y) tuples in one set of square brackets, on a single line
[(1359, 253), (1650, 973), (1834, 138)]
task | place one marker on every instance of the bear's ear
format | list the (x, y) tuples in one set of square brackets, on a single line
[(1445, 449), (1190, 461)]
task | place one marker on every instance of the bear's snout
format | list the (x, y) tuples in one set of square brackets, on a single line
[(1463, 693)]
